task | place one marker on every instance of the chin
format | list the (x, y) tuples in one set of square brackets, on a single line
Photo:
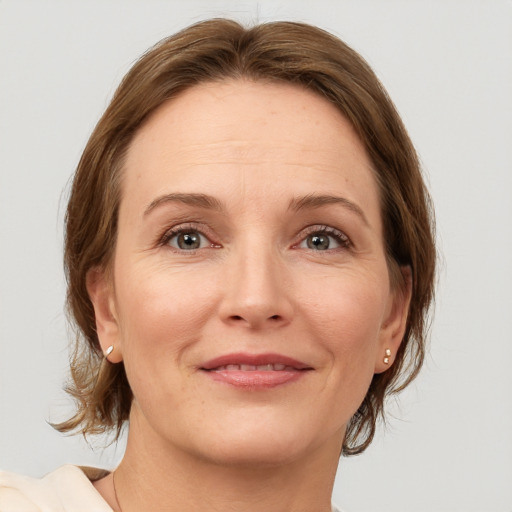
[(254, 453), (258, 434), (265, 444)]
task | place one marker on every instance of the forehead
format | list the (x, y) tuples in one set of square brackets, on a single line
[(207, 113), (241, 135)]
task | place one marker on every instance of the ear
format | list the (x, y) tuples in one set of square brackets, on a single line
[(101, 293), (395, 321)]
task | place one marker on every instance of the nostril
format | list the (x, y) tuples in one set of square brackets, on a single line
[(238, 317)]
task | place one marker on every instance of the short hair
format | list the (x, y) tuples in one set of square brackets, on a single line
[(217, 50)]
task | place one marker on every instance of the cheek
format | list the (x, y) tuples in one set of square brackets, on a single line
[(345, 316), (161, 311), (161, 315), (342, 318)]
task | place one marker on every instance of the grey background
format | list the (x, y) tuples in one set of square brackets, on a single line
[(447, 65)]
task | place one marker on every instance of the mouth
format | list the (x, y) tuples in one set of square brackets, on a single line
[(255, 371), (277, 367)]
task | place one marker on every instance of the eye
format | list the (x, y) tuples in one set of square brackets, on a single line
[(320, 242), (324, 239), (187, 240)]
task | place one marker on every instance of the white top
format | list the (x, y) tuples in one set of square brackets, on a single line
[(67, 489)]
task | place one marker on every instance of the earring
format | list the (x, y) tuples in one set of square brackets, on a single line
[(388, 355), (108, 351)]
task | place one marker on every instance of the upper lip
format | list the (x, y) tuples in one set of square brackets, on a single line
[(255, 360)]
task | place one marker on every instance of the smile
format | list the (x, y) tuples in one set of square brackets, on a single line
[(278, 367), (255, 371)]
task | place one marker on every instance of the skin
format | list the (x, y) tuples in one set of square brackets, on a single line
[(254, 285)]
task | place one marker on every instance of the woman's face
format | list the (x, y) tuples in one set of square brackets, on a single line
[(250, 298)]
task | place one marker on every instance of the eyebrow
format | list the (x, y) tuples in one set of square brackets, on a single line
[(316, 201), (300, 203), (201, 200)]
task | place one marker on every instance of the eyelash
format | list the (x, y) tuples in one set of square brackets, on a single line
[(184, 228), (341, 238)]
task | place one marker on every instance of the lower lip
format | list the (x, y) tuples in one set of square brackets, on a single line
[(256, 379)]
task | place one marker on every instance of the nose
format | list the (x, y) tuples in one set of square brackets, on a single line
[(257, 290)]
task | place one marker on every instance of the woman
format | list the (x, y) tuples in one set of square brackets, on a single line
[(250, 259)]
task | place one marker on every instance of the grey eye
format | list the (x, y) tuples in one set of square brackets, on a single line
[(320, 242), (188, 240)]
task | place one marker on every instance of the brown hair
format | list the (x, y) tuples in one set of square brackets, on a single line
[(216, 50)]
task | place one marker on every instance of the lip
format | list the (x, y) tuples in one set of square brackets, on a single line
[(254, 360), (252, 378)]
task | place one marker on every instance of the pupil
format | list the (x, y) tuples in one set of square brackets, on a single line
[(318, 242), (188, 241)]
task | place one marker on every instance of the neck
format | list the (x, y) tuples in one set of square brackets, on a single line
[(162, 478)]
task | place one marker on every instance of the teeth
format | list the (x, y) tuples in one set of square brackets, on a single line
[(253, 368), (248, 367)]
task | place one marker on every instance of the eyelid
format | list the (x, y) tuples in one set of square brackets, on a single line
[(343, 239), (175, 230)]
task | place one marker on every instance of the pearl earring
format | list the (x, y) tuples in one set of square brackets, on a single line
[(109, 351), (388, 355)]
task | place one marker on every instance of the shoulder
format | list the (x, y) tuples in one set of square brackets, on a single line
[(63, 490)]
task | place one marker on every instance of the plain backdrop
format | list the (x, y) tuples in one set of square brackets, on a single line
[(448, 66)]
